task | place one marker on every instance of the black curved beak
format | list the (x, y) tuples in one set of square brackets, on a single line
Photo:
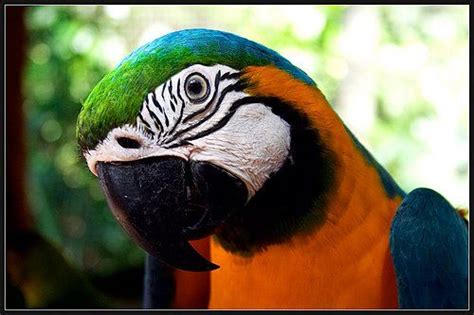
[(162, 202)]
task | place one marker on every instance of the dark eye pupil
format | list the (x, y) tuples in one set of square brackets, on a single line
[(195, 87)]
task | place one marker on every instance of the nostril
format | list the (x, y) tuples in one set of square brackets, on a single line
[(128, 143)]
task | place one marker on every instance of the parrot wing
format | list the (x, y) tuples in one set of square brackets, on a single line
[(428, 242)]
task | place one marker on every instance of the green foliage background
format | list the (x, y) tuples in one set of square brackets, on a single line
[(417, 95)]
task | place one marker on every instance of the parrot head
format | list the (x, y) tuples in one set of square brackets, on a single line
[(203, 132)]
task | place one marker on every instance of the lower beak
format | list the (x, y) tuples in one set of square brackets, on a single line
[(162, 202)]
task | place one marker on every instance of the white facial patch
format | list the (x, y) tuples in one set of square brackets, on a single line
[(171, 113), (252, 145), (110, 150), (243, 137)]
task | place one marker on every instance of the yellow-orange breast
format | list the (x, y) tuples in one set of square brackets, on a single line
[(346, 262)]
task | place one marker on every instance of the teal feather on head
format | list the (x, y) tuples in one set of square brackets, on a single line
[(117, 98)]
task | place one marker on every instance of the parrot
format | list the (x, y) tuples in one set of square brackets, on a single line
[(228, 166)]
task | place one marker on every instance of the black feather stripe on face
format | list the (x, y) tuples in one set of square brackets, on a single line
[(293, 199), (238, 86)]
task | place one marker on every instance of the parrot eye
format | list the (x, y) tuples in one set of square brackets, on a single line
[(196, 87)]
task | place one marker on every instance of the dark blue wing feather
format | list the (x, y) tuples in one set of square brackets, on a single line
[(428, 242)]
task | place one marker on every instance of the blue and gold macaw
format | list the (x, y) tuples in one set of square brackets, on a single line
[(203, 132)]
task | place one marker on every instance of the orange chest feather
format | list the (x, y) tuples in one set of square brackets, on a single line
[(344, 263)]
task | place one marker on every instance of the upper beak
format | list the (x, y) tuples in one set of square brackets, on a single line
[(163, 202)]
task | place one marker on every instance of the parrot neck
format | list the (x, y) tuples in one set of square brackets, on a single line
[(360, 208), (333, 250), (316, 184), (344, 262)]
